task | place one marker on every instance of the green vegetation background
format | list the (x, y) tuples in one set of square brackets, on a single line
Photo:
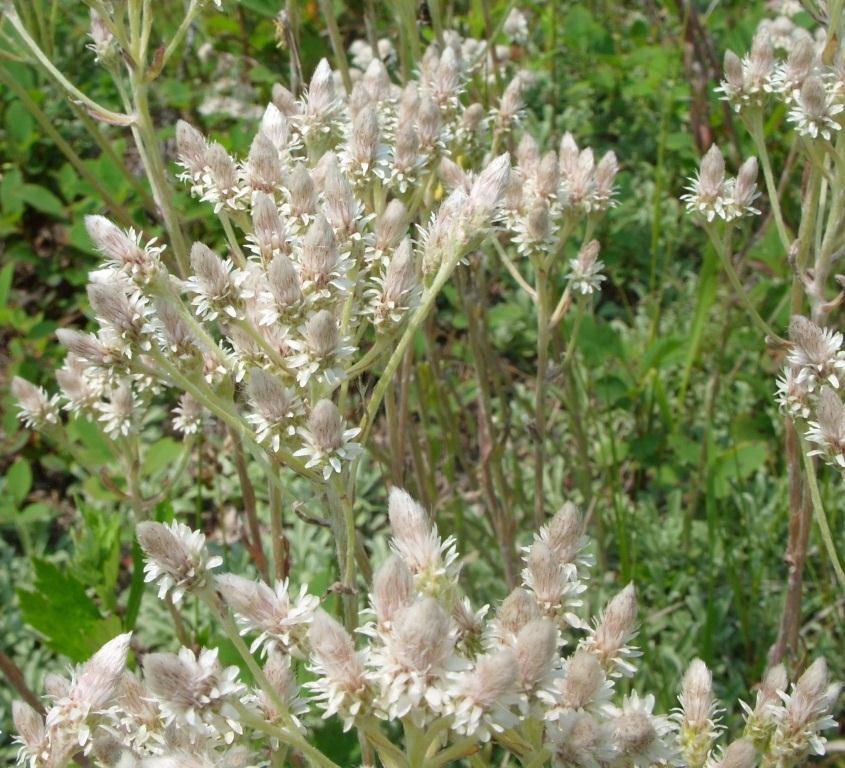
[(683, 447)]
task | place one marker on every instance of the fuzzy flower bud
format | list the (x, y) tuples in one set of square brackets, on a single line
[(319, 252), (585, 270), (263, 168), (176, 558), (391, 226), (614, 630), (281, 623), (393, 589), (35, 408), (697, 729), (270, 235), (192, 148), (535, 649)]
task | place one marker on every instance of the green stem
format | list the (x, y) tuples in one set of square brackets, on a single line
[(542, 289), (821, 518)]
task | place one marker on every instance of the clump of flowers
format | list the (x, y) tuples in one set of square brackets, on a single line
[(409, 665)]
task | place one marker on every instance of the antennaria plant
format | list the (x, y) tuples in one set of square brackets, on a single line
[(275, 358)]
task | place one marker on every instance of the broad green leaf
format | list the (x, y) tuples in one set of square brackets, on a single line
[(19, 480), (42, 200), (59, 608)]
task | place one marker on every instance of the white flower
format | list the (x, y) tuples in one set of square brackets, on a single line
[(281, 623), (176, 558), (641, 737), (196, 694)]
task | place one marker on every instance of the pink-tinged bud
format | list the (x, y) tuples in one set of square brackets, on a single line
[(391, 226), (579, 739), (409, 522), (400, 278), (56, 686), (799, 65), (284, 281), (393, 589), (192, 148), (113, 242), (568, 156), (176, 334), (547, 175), (82, 345), (712, 173), (453, 175), (536, 649), (98, 679), (36, 409), (697, 696), (488, 189), (813, 97), (176, 557), (472, 118), (303, 195), (528, 154), (270, 398), (284, 100), (319, 252), (224, 172), (606, 172), (269, 230), (518, 610), (745, 189), (617, 624), (829, 429), (377, 80), (409, 104), (326, 426), (511, 102), (322, 334), (321, 92), (564, 533), (761, 59), (76, 385), (739, 754), (423, 635), (363, 141), (341, 205), (809, 693), (633, 732), (334, 650), (583, 681), (111, 306), (733, 71), (407, 149), (774, 682), (280, 675), (429, 122), (263, 166), (29, 725), (210, 271), (274, 126), (494, 676), (544, 571)]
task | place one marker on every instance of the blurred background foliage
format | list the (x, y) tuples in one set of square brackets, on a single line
[(664, 426)]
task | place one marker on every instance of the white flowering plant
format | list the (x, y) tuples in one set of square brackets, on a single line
[(365, 198), (799, 70)]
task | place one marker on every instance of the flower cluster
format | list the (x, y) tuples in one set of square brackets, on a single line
[(425, 658), (813, 92), (808, 387), (711, 195), (333, 239)]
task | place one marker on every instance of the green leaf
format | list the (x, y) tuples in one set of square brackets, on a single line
[(59, 608), (736, 464), (161, 455), (42, 200), (19, 480), (6, 275)]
